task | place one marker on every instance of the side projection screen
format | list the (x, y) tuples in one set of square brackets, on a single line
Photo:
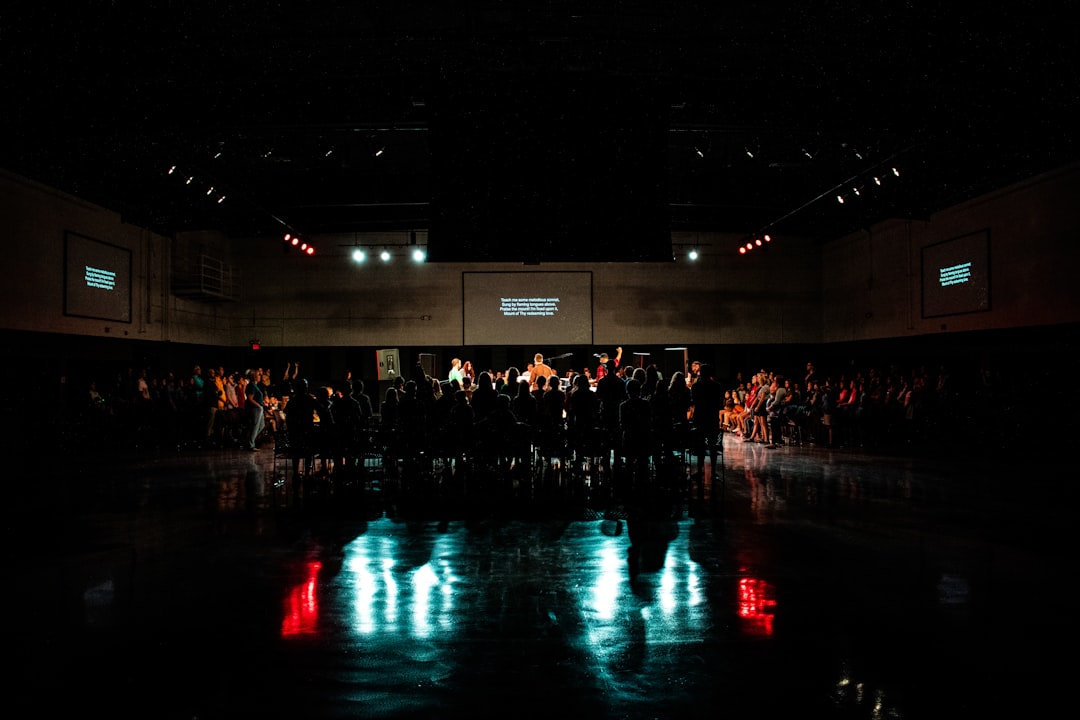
[(538, 309), (956, 276), (97, 279)]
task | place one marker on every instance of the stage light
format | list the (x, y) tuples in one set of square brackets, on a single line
[(418, 255), (896, 172), (758, 242), (840, 199), (379, 152), (221, 199), (693, 254), (385, 255), (877, 180), (294, 241), (742, 250), (359, 256), (768, 238), (699, 153)]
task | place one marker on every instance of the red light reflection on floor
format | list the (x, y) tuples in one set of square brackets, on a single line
[(757, 606), (302, 605)]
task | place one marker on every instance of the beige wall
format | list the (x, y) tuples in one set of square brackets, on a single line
[(871, 280), (327, 300), (863, 286)]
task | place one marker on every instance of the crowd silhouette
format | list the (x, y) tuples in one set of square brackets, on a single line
[(634, 420)]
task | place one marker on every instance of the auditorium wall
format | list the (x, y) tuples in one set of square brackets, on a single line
[(865, 286)]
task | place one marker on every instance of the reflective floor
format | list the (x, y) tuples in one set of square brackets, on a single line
[(810, 582)]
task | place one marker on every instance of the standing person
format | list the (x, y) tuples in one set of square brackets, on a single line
[(612, 392), (287, 379), (636, 432), (367, 407), (602, 368), (254, 408), (214, 400), (679, 392), (232, 400), (695, 372), (455, 371), (539, 369), (300, 426), (760, 412), (513, 378), (707, 399)]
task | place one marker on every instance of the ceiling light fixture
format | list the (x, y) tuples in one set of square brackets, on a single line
[(291, 240)]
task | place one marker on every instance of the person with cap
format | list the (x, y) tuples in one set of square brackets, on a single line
[(605, 359)]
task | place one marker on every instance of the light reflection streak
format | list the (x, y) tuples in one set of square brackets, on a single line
[(302, 605), (382, 594), (617, 620), (611, 574), (757, 605)]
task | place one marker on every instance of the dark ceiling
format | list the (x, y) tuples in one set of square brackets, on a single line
[(732, 119)]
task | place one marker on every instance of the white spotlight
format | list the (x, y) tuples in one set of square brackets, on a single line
[(693, 254), (358, 255), (385, 256)]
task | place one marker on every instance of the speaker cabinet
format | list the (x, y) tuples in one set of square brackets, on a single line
[(427, 361), (389, 363)]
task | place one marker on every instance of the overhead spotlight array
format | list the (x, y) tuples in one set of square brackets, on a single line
[(845, 192), (361, 255), (292, 241), (757, 241), (855, 189), (190, 180)]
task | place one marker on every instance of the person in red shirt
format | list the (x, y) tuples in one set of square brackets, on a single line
[(601, 370)]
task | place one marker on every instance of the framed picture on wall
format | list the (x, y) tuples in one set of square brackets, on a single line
[(97, 279), (956, 276)]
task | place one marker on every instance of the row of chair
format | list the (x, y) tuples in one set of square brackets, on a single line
[(378, 458)]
